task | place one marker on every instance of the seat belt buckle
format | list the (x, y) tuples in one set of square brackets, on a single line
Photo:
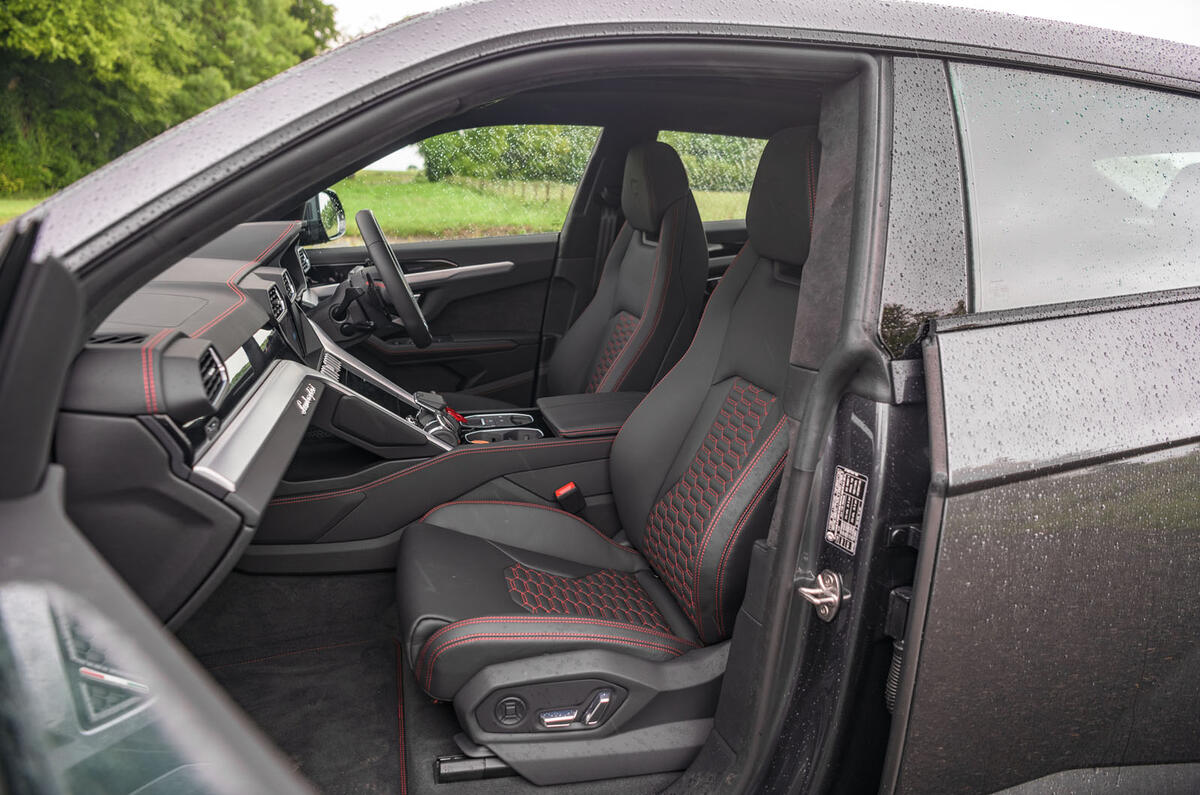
[(570, 498)]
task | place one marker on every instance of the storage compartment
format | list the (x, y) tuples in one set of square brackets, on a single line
[(504, 435), (588, 414)]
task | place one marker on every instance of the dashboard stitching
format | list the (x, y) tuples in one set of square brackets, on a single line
[(290, 499), (149, 387), (230, 283)]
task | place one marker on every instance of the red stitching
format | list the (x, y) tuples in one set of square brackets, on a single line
[(641, 319), (547, 619), (149, 387), (569, 515), (400, 718), (737, 529), (662, 301), (491, 448), (291, 653), (230, 283), (578, 431), (624, 327), (540, 636), (704, 313), (717, 517)]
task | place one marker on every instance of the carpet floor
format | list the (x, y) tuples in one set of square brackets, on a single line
[(313, 660)]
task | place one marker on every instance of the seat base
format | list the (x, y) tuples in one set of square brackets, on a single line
[(483, 582)]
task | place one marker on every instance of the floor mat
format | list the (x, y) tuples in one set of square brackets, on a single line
[(329, 709), (312, 661)]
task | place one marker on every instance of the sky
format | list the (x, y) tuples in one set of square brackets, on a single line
[(1178, 20)]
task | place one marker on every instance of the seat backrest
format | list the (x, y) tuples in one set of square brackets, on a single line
[(648, 301), (695, 467)]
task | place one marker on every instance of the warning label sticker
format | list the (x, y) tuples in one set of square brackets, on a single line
[(846, 509)]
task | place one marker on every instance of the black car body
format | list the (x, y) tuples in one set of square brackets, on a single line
[(978, 570)]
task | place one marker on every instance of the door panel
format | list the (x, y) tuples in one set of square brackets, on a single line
[(484, 300), (1054, 613)]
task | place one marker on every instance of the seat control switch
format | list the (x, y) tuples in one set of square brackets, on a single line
[(558, 718), (597, 708)]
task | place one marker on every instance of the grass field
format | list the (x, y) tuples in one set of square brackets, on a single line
[(11, 207), (410, 208)]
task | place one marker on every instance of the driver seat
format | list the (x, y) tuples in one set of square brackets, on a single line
[(647, 304), (506, 602)]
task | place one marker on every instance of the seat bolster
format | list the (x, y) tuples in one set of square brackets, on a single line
[(457, 651), (540, 529)]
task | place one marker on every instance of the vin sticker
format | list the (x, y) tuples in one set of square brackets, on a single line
[(846, 509)]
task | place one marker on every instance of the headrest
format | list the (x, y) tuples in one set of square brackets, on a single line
[(654, 180), (779, 215)]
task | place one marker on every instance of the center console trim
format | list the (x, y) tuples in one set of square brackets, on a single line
[(365, 372)]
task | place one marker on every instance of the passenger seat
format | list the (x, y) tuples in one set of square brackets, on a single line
[(525, 602), (647, 304)]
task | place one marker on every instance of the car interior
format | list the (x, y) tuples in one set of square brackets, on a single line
[(488, 512)]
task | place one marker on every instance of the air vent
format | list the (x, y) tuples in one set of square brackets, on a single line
[(331, 367), (305, 263), (288, 287), (278, 307), (213, 376), (116, 339)]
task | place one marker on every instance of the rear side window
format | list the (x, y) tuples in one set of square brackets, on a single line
[(1076, 188), (720, 169)]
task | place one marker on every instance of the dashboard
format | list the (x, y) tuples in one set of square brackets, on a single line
[(186, 406)]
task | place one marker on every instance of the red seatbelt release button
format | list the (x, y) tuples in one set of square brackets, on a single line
[(570, 498), (458, 417)]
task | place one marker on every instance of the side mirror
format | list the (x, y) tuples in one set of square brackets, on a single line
[(324, 219)]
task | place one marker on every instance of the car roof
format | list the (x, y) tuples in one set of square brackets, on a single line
[(97, 212)]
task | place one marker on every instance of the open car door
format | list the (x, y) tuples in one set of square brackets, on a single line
[(95, 695), (1051, 643)]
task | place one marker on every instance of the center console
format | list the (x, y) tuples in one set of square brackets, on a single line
[(377, 457), (391, 421)]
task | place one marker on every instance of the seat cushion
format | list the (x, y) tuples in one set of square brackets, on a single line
[(482, 582)]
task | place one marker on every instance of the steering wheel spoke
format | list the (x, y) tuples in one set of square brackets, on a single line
[(398, 291)]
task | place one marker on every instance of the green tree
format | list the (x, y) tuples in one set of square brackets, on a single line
[(551, 152), (82, 82), (717, 162)]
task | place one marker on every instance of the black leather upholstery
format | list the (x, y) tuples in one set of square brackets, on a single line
[(694, 471), (546, 581), (589, 414), (654, 180), (647, 303), (779, 215)]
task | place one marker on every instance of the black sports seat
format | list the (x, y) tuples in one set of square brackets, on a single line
[(694, 471), (648, 301)]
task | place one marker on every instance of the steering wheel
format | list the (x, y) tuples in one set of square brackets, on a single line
[(398, 290)]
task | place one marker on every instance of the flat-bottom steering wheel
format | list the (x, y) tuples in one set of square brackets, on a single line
[(398, 290)]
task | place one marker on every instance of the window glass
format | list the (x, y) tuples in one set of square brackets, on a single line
[(481, 182), (1077, 188), (720, 169)]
